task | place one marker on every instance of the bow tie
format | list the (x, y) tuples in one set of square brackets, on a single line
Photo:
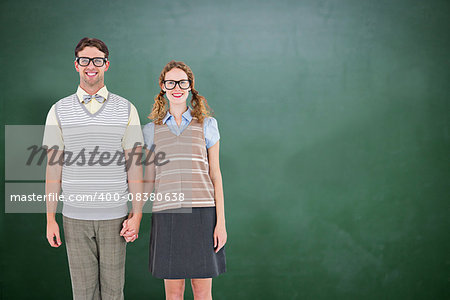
[(88, 98)]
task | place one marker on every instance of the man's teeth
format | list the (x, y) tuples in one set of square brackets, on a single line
[(91, 74)]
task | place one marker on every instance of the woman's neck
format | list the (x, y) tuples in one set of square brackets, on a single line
[(177, 111)]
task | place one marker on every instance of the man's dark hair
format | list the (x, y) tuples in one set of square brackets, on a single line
[(91, 42)]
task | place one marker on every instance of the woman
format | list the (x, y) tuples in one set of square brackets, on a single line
[(188, 222)]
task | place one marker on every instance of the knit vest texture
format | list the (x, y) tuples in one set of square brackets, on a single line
[(183, 181), (94, 187)]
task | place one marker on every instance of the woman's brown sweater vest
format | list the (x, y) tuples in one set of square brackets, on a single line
[(184, 180)]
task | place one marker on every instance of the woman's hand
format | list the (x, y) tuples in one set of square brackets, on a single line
[(220, 236), (130, 228)]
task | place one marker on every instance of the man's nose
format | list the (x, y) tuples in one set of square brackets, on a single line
[(90, 64)]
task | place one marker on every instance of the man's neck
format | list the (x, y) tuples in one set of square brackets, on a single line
[(91, 90)]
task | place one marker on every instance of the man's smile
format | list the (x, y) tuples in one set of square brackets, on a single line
[(91, 74)]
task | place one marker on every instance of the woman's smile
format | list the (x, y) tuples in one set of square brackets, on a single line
[(177, 94)]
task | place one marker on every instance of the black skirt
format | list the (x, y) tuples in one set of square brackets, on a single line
[(182, 245)]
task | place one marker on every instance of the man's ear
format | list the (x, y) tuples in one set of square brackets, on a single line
[(106, 65), (76, 66)]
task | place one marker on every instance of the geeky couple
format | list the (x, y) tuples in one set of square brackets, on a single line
[(188, 231)]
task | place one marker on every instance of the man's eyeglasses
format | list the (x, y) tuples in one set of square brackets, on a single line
[(171, 84), (97, 61)]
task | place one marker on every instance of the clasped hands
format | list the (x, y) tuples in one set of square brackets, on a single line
[(130, 228)]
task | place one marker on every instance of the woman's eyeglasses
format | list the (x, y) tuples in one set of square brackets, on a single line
[(171, 84)]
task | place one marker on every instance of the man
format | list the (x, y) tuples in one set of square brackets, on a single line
[(92, 136)]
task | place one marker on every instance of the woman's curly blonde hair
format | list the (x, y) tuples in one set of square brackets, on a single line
[(200, 108)]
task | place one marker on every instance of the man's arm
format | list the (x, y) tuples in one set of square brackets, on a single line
[(135, 187), (133, 135), (53, 187)]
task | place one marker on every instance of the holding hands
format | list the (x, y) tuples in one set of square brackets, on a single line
[(130, 227)]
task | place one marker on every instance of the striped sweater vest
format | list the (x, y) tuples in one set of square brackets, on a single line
[(94, 190), (184, 180)]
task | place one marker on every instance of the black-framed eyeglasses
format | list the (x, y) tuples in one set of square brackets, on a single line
[(97, 61), (171, 84)]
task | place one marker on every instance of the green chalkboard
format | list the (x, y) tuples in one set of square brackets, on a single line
[(335, 136)]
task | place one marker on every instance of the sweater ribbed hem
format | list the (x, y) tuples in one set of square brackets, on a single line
[(87, 213)]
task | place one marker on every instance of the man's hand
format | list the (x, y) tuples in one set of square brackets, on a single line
[(53, 234), (130, 228)]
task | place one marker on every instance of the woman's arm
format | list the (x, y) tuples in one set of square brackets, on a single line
[(220, 233), (149, 177)]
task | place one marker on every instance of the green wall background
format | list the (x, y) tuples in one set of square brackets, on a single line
[(334, 121)]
